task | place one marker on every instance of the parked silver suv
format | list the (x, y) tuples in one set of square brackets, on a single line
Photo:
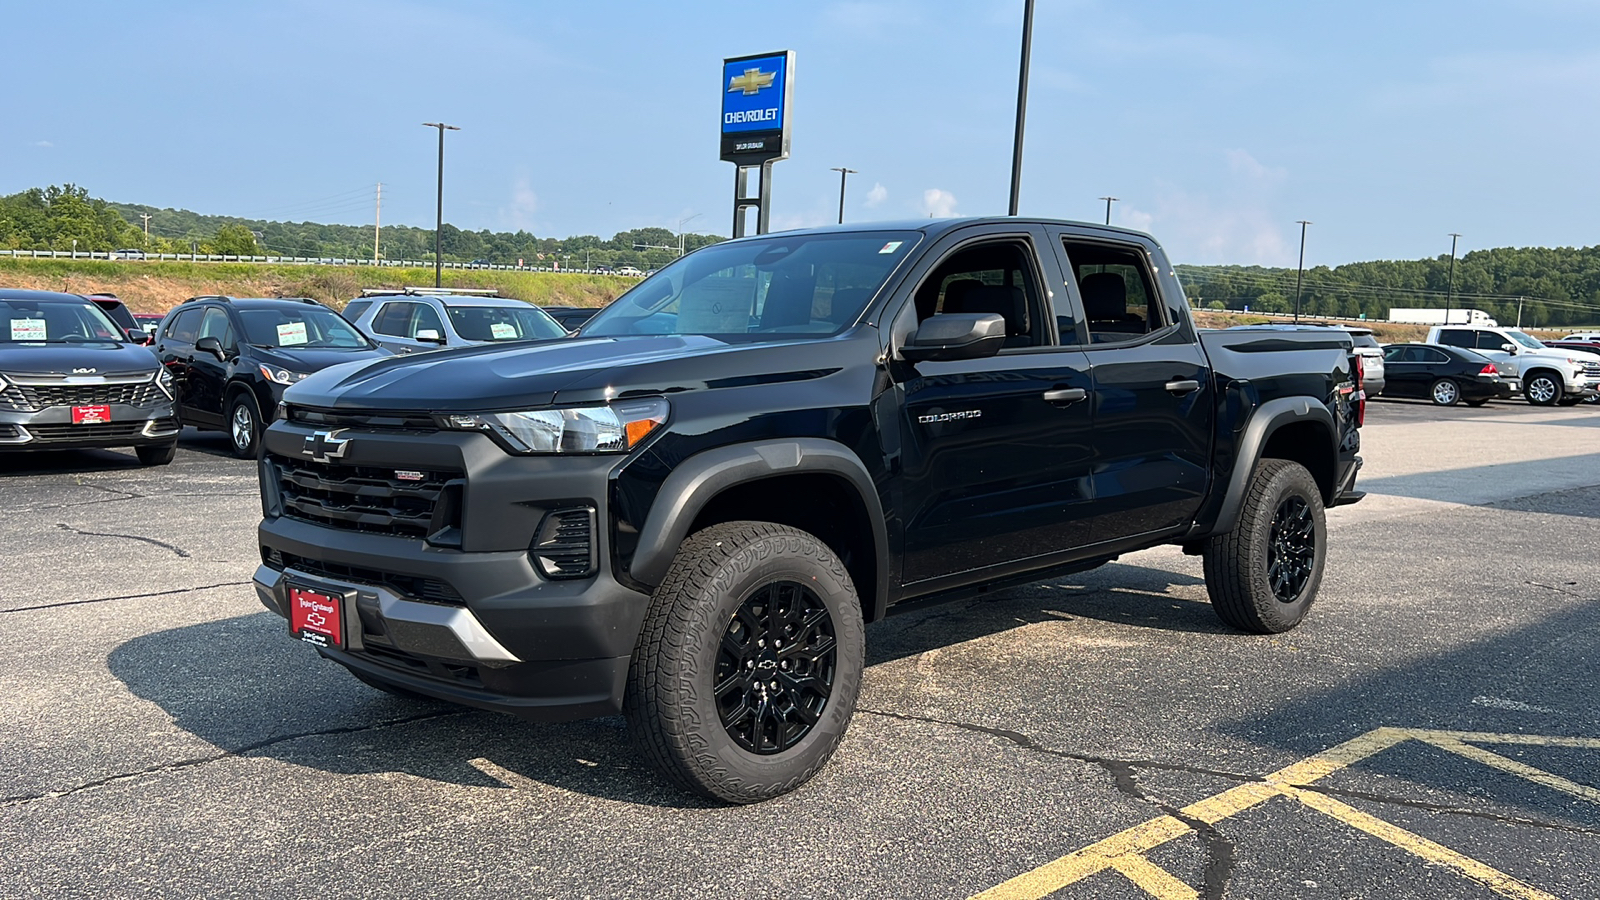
[(415, 319)]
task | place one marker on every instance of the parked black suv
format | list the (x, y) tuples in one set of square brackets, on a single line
[(71, 378), (232, 358), (687, 512)]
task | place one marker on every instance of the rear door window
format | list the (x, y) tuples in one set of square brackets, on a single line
[(394, 319), (1456, 337), (355, 308), (185, 325), (1119, 296)]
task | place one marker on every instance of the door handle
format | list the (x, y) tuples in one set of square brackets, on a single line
[(1065, 395), (1183, 386)]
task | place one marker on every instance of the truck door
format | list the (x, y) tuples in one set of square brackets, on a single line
[(1153, 397), (995, 451)]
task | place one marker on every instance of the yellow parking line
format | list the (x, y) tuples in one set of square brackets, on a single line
[(1156, 881), (1511, 766), (1492, 878)]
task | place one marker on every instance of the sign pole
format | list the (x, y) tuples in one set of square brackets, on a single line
[(755, 128)]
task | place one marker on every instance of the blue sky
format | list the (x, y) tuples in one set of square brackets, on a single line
[(1218, 125)]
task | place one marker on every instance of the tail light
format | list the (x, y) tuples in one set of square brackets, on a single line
[(1489, 370), (1361, 392)]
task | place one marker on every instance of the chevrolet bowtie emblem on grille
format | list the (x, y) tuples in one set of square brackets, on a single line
[(751, 82), (322, 446)]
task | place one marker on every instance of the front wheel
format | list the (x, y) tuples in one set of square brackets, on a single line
[(244, 425), (1542, 389), (746, 672), (1263, 575), (1445, 392)]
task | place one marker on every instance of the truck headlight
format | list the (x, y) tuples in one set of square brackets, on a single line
[(610, 428)]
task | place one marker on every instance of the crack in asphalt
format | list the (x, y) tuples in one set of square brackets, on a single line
[(1220, 850), (1560, 590), (20, 799), (120, 497), (203, 587), (132, 537)]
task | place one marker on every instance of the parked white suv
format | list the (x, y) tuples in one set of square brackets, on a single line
[(1549, 376)]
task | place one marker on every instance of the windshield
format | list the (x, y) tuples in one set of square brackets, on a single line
[(776, 286), (55, 322), (504, 323), (300, 326), (1525, 340)]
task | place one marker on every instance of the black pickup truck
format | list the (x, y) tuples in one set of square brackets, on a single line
[(687, 512)]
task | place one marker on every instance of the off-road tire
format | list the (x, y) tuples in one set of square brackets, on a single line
[(672, 712), (156, 454), (1237, 563), (1445, 392), (243, 403)]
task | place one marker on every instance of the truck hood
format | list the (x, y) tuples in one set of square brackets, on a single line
[(102, 357), (579, 370)]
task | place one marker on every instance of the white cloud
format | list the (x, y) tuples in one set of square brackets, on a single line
[(524, 203), (876, 196), (1129, 217), (43, 144), (1242, 164), (938, 203)]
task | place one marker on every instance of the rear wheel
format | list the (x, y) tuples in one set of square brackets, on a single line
[(1542, 389), (244, 425), (156, 455), (1263, 575), (747, 669), (1445, 392)]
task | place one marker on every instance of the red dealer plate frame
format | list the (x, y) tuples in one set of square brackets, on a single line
[(316, 617), (91, 415)]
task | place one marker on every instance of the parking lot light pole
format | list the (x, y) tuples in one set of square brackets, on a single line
[(1022, 104), (438, 224), (1450, 289), (1109, 201), (843, 174), (682, 222), (1300, 273)]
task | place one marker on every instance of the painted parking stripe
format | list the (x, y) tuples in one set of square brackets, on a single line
[(1125, 851)]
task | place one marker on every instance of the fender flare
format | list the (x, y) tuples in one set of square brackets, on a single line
[(1271, 416), (698, 479)]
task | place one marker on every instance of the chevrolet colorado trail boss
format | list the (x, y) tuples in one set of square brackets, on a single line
[(686, 512)]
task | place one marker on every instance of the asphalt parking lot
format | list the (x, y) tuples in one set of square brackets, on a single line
[(1430, 731)]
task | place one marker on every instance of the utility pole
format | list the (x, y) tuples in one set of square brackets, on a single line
[(681, 222), (1450, 291), (843, 173), (1300, 274), (1022, 103), (438, 224), (1109, 201), (377, 224), (146, 217), (1519, 313)]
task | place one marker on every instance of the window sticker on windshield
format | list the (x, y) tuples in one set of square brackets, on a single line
[(501, 331), (891, 247), (291, 334), (27, 329), (716, 306)]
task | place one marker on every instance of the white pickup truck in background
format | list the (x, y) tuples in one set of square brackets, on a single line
[(1549, 376)]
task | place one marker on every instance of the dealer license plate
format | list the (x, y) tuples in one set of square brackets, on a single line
[(315, 617), (91, 415)]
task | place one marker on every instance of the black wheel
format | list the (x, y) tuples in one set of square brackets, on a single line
[(747, 669), (243, 424), (1263, 575), (1445, 392), (157, 454), (1542, 389)]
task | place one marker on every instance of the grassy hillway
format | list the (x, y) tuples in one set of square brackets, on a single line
[(157, 286)]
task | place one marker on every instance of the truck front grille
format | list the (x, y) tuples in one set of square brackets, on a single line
[(400, 502)]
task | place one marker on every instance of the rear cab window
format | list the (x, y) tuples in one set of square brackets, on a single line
[(1120, 300)]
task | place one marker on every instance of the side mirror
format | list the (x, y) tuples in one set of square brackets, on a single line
[(137, 335), (210, 345), (956, 336), (430, 335)]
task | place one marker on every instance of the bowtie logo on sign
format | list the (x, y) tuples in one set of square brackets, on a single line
[(323, 446), (752, 81)]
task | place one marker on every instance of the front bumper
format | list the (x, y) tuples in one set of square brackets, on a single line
[(53, 429), (462, 615)]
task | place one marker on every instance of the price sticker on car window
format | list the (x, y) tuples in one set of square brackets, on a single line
[(27, 330), (501, 331), (291, 333)]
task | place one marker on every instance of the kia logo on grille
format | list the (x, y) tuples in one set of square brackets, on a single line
[(83, 371), (323, 446)]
